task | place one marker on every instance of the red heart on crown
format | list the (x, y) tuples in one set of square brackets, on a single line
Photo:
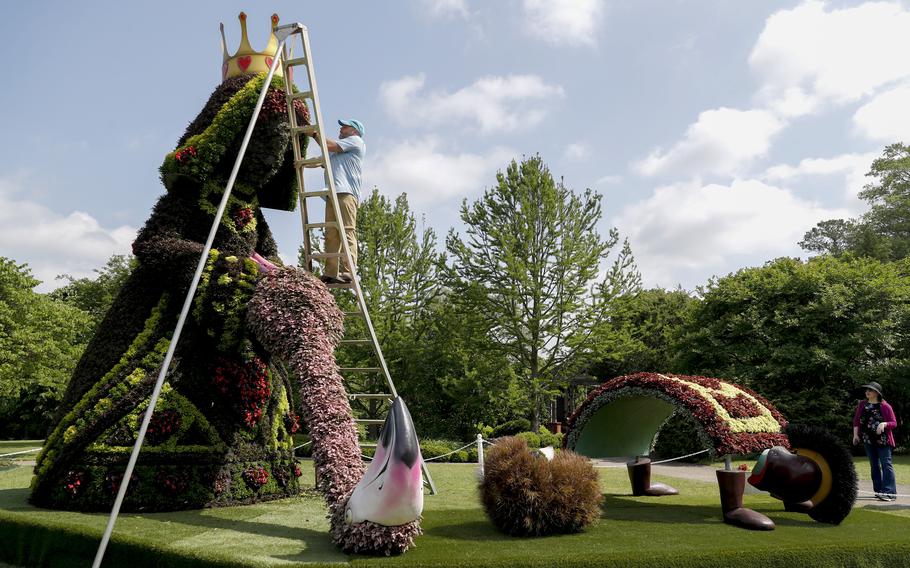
[(268, 61), (244, 62)]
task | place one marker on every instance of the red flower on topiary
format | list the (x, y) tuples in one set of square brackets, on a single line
[(256, 477), (222, 482), (281, 476), (246, 385), (739, 406), (163, 424), (185, 154), (172, 482), (74, 482), (113, 481), (291, 422), (243, 216), (297, 472)]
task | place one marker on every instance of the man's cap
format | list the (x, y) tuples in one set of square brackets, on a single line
[(874, 386), (353, 123)]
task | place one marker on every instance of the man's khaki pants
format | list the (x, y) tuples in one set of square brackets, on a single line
[(348, 205)]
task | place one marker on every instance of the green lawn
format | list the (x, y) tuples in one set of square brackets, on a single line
[(672, 531)]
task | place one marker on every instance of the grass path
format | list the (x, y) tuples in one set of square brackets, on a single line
[(675, 531)]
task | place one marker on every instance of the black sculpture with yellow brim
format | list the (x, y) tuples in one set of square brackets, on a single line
[(817, 477)]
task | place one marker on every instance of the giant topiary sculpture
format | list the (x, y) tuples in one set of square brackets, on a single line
[(805, 467), (221, 431)]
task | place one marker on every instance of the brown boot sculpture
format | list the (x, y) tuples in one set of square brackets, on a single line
[(640, 476), (732, 484)]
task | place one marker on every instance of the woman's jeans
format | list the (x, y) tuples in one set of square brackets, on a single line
[(882, 469)]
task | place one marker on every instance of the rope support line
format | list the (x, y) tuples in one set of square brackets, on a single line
[(31, 451), (681, 457), (450, 453)]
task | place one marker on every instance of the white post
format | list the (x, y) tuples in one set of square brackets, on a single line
[(480, 453)]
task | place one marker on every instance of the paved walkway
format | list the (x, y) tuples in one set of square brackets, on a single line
[(705, 473)]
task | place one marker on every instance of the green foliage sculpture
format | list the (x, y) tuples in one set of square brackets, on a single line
[(221, 432)]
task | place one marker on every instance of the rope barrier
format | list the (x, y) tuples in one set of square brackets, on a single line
[(33, 450), (450, 453), (680, 457), (302, 445)]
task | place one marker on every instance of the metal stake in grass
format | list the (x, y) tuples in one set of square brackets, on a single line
[(186, 308)]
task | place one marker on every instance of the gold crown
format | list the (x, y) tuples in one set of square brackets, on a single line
[(247, 60)]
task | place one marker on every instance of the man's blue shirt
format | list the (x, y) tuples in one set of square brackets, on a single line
[(347, 165)]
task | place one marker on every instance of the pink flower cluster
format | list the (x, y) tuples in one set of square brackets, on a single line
[(715, 427), (295, 317)]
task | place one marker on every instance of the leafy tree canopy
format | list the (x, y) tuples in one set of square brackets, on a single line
[(41, 339), (530, 268), (804, 334), (883, 232)]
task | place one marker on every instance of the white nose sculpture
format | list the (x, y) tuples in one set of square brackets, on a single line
[(391, 491)]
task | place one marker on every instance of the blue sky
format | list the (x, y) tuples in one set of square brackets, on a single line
[(718, 132)]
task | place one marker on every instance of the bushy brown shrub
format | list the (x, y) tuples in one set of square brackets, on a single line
[(524, 494)]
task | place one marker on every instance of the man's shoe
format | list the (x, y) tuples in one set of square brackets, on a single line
[(345, 277), (326, 279), (881, 497)]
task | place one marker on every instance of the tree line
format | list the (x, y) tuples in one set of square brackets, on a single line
[(489, 325)]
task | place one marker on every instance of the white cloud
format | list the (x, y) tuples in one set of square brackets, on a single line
[(492, 103), (811, 55), (852, 167), (608, 180), (446, 8), (721, 141), (885, 117), (52, 243), (577, 152), (691, 228), (431, 176), (564, 22)]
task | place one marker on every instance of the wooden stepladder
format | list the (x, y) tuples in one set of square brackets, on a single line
[(327, 193)]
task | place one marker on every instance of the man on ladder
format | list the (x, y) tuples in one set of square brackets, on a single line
[(347, 169)]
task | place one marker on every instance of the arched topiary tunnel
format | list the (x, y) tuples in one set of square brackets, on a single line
[(622, 417)]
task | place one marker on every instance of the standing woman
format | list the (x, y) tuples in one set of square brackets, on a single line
[(873, 423)]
